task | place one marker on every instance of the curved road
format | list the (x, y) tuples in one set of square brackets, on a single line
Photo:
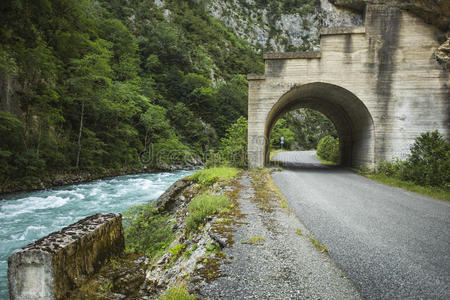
[(391, 243)]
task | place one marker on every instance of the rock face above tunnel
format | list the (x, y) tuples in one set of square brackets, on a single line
[(56, 264), (431, 11)]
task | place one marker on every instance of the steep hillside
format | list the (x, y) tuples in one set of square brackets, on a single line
[(289, 25), (93, 85)]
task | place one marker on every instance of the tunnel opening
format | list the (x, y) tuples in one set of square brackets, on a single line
[(302, 130), (351, 118)]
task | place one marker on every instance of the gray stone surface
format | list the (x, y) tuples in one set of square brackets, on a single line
[(391, 243), (381, 87), (168, 200), (54, 265), (284, 265)]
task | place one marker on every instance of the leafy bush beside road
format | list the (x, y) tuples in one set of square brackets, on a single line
[(328, 149), (426, 170), (427, 165), (429, 162)]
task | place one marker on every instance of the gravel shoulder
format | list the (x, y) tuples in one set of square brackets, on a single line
[(273, 256)]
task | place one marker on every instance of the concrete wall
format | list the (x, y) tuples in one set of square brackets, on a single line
[(60, 262), (380, 84)]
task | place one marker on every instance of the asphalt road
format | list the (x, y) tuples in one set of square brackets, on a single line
[(391, 243)]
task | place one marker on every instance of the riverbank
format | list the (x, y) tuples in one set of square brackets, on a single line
[(233, 238), (27, 217), (28, 184)]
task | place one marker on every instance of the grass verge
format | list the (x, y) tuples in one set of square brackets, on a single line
[(204, 205), (177, 293), (430, 191), (212, 175), (266, 190), (326, 162), (273, 152)]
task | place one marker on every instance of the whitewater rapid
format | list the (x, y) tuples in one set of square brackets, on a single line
[(26, 217)]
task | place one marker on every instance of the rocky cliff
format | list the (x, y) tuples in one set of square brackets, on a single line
[(276, 26)]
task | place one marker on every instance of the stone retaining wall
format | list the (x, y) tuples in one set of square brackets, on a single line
[(55, 265)]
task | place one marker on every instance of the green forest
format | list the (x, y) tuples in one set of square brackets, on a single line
[(98, 83)]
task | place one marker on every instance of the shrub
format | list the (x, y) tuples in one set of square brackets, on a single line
[(429, 161), (177, 250), (204, 205), (212, 175), (427, 164), (233, 147), (391, 169), (146, 230), (328, 148), (177, 293)]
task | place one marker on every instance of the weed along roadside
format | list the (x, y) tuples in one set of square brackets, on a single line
[(222, 232)]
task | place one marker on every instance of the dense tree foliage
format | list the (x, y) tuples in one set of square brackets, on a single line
[(302, 129), (97, 83), (282, 130), (233, 147)]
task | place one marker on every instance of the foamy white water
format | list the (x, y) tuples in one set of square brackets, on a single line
[(26, 217)]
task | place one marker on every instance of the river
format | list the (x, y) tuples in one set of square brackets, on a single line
[(26, 217)]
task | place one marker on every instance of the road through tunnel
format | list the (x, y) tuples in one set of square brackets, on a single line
[(349, 115)]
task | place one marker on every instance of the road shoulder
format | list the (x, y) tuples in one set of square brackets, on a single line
[(274, 256)]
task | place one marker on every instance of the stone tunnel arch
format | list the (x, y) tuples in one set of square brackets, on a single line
[(350, 116)]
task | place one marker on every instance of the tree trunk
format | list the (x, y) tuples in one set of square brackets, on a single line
[(79, 134), (39, 138)]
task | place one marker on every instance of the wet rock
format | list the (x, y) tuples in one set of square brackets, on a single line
[(167, 201)]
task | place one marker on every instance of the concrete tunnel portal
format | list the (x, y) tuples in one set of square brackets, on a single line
[(350, 116), (373, 82)]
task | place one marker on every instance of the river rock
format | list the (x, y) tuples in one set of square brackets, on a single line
[(168, 200)]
